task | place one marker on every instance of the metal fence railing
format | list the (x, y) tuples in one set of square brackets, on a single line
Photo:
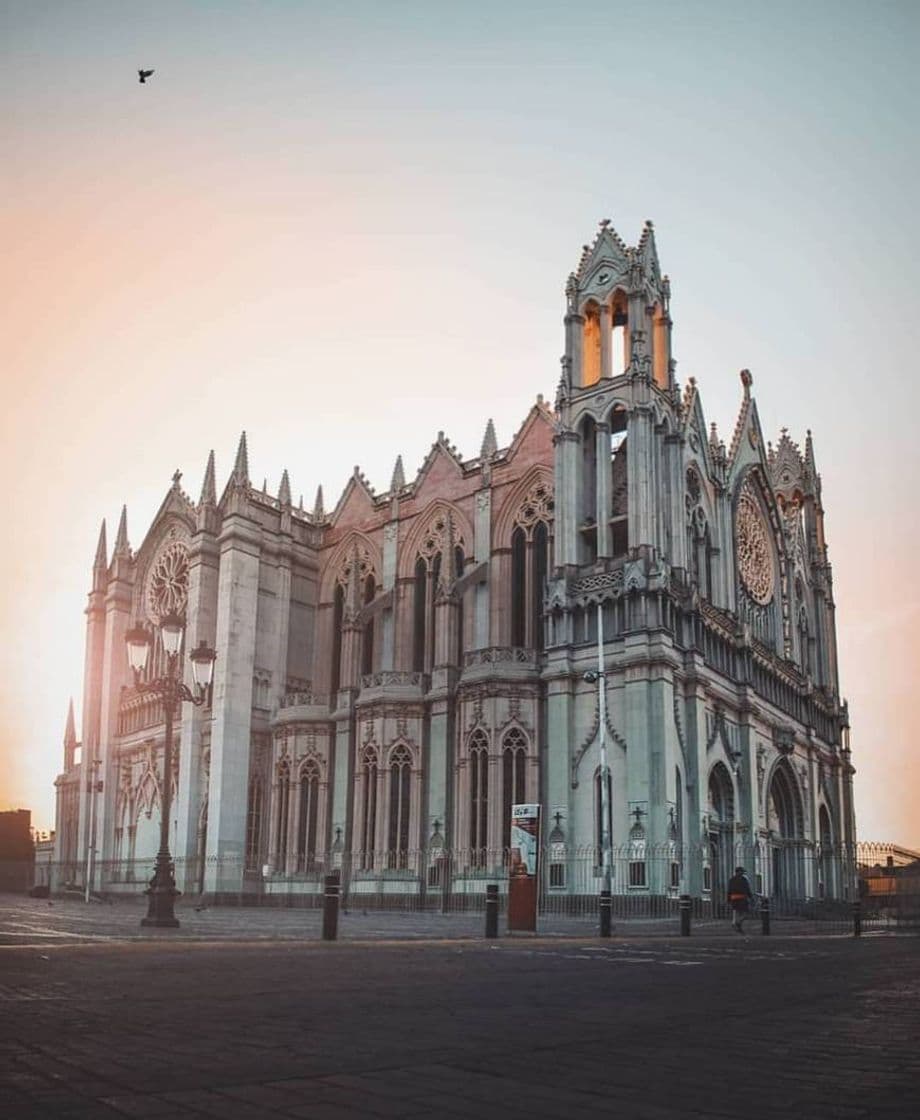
[(805, 885)]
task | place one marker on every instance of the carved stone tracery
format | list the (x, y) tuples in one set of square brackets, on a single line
[(167, 585), (755, 559)]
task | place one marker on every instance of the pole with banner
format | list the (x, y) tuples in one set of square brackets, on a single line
[(523, 868)]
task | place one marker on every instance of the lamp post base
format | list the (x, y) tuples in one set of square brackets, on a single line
[(162, 895)]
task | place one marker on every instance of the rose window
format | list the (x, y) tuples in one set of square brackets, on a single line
[(167, 588), (755, 556)]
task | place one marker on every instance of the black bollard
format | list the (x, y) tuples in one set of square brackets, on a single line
[(765, 916), (857, 919), (606, 911), (331, 908), (685, 915), (492, 910)]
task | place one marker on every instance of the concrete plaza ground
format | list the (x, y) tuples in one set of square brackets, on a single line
[(247, 1014)]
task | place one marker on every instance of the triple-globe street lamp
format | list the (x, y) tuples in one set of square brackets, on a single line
[(172, 690)]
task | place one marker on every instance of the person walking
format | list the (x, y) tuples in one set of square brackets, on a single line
[(739, 898)]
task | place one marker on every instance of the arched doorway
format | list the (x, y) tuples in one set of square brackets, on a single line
[(827, 866), (784, 822), (721, 829)]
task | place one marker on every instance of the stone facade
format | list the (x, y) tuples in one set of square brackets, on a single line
[(393, 674)]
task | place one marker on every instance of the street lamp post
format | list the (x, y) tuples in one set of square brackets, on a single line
[(172, 690)]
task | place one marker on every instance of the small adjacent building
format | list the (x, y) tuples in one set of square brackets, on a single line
[(17, 852)]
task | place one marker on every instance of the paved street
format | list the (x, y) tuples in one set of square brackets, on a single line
[(264, 1020)]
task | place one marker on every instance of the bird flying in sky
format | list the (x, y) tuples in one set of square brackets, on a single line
[(143, 75)]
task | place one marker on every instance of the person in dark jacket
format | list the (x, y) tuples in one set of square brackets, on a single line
[(739, 898)]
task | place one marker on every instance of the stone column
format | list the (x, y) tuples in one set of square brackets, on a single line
[(481, 592), (115, 675), (237, 609), (388, 577), (568, 490), (201, 624)]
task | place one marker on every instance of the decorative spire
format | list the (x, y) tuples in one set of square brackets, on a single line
[(284, 490), (122, 548), (208, 488), (319, 514), (102, 554), (240, 475), (70, 731), (489, 442), (398, 480), (743, 415)]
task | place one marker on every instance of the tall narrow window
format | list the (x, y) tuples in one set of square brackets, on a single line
[(530, 544), (540, 551), (367, 649), (459, 561), (619, 327), (254, 822), (619, 483), (369, 809), (338, 611), (284, 809), (591, 348), (400, 788), (431, 643), (479, 798), (518, 588), (589, 475), (419, 615), (306, 825), (514, 761)]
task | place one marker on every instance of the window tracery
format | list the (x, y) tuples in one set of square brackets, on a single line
[(754, 551), (167, 584)]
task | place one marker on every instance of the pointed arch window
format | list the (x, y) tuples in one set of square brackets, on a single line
[(427, 574), (338, 613), (254, 822), (367, 647), (619, 482), (307, 817), (530, 544), (400, 806), (479, 798), (514, 774), (591, 345), (588, 512), (284, 810)]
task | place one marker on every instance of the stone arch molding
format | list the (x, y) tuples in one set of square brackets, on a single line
[(782, 763), (339, 559), (509, 517), (615, 737), (424, 524), (172, 531)]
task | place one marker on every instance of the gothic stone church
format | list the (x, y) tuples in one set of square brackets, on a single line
[(394, 673)]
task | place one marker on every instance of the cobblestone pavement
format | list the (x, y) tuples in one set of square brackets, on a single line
[(102, 1023), (37, 921)]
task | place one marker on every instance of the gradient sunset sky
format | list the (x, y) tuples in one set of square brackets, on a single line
[(344, 227)]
